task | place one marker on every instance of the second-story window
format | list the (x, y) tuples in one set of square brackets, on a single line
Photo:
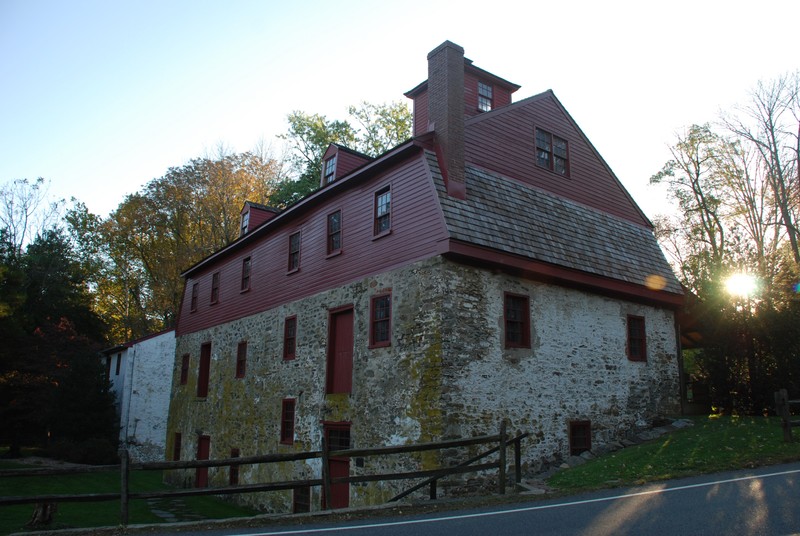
[(552, 152), (215, 287), (383, 211), (330, 170), (380, 325), (294, 252), (195, 294), (246, 274), (517, 319), (335, 232), (289, 338), (484, 97)]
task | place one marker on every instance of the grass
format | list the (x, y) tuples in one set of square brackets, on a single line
[(713, 444), (98, 514)]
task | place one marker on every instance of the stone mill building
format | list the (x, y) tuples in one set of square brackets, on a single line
[(491, 267)]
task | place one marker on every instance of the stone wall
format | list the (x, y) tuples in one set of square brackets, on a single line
[(445, 375), (576, 369)]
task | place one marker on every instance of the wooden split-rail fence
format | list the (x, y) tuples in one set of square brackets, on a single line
[(783, 408), (429, 477)]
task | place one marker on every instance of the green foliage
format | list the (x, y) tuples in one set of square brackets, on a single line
[(51, 382), (714, 444), (155, 234), (380, 127)]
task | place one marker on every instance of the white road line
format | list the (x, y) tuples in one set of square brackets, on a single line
[(518, 510)]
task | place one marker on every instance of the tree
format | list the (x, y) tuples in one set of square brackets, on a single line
[(380, 127), (25, 210), (770, 122), (172, 223), (50, 334), (693, 180)]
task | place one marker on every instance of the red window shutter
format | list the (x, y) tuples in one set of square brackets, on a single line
[(287, 421)]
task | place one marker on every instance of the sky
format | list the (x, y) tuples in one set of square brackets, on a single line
[(100, 97)]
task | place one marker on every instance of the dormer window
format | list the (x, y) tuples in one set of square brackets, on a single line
[(484, 97), (245, 223), (330, 170)]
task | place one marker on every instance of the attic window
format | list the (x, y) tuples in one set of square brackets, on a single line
[(245, 223), (484, 97), (330, 170), (552, 152)]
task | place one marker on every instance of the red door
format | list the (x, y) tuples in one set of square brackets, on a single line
[(201, 473), (340, 352), (337, 436)]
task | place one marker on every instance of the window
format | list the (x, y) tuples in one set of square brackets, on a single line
[(241, 359), (338, 437), (215, 287), (335, 232), (330, 170), (245, 223), (580, 437), (301, 500), (184, 369), (383, 211), (195, 293), (551, 152), (380, 321), (294, 252), (204, 370), (233, 475), (119, 363), (484, 97), (289, 338), (246, 274), (287, 421), (517, 321), (637, 340), (176, 447)]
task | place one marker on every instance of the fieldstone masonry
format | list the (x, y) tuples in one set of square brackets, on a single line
[(446, 374)]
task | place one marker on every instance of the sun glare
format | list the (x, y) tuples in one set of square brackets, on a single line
[(743, 285)]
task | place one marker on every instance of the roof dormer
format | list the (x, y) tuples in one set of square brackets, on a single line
[(253, 215), (338, 161), (483, 92)]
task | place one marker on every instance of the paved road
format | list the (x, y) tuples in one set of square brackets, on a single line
[(762, 501)]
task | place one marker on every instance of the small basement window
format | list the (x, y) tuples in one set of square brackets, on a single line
[(580, 437)]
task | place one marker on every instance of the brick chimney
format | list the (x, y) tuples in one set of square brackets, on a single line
[(446, 113)]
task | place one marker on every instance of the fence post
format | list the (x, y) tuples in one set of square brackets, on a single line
[(518, 460), (782, 409), (433, 490), (124, 486), (326, 475), (501, 478)]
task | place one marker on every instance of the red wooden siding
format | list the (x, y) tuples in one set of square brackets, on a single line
[(347, 162), (258, 216), (417, 227), (503, 142), (501, 96), (421, 114)]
